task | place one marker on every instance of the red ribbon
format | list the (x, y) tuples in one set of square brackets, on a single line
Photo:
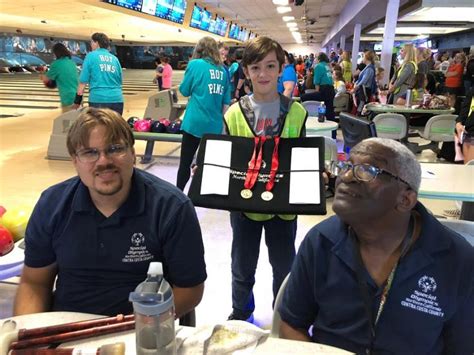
[(255, 163), (274, 168)]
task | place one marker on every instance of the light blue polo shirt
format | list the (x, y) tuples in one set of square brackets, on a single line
[(103, 72), (208, 86)]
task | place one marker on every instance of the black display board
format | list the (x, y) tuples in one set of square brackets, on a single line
[(241, 154)]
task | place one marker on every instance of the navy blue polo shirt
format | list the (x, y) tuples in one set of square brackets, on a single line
[(429, 309), (101, 260)]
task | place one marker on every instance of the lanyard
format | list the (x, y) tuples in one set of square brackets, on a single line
[(364, 290), (267, 195), (254, 167)]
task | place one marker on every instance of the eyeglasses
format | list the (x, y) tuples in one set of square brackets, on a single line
[(363, 172), (91, 155)]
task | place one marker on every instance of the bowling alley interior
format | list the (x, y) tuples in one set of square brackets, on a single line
[(34, 120)]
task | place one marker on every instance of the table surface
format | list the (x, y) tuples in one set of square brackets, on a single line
[(268, 346), (447, 182), (403, 109), (312, 125)]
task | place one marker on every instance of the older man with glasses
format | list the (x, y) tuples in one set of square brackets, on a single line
[(98, 232), (383, 276)]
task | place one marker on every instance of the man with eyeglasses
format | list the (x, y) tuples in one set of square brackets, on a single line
[(98, 232), (383, 276)]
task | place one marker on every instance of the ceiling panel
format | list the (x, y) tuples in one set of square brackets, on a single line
[(80, 18)]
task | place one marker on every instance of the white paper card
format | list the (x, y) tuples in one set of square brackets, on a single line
[(215, 179), (304, 185), (304, 188), (218, 152), (304, 158)]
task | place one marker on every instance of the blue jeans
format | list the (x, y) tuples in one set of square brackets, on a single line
[(280, 240), (114, 106)]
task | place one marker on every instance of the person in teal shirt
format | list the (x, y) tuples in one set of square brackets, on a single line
[(324, 87), (206, 84), (62, 74), (103, 72)]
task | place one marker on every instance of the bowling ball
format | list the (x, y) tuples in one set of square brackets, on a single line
[(174, 127), (15, 220), (142, 126), (165, 121), (6, 241), (157, 127), (131, 121), (51, 84), (2, 211)]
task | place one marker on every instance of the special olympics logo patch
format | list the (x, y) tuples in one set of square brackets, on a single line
[(137, 239), (427, 284)]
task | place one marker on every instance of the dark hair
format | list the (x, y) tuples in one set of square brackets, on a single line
[(239, 53), (259, 48), (117, 128), (165, 60), (323, 57), (289, 57), (101, 39), (61, 51)]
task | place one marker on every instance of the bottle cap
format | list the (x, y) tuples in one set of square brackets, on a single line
[(155, 268)]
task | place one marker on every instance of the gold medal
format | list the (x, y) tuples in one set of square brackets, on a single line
[(246, 193), (267, 196)]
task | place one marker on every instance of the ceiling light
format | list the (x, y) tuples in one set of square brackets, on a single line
[(280, 2), (380, 38), (293, 29), (411, 28), (291, 24), (288, 18), (283, 9), (440, 14)]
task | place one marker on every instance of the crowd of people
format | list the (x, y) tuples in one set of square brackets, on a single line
[(382, 276)]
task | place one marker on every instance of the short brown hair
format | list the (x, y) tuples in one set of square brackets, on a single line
[(117, 129), (259, 48), (101, 39)]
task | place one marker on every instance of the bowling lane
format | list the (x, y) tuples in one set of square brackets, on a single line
[(21, 93)]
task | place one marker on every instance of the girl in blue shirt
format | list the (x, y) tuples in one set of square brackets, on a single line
[(287, 80), (206, 84)]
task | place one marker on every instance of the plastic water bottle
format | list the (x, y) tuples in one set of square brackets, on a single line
[(408, 99), (154, 314), (321, 112)]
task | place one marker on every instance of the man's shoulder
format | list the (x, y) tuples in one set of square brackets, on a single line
[(54, 201), (62, 189), (330, 231), (159, 189)]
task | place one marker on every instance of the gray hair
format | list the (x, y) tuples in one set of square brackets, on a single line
[(406, 165)]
